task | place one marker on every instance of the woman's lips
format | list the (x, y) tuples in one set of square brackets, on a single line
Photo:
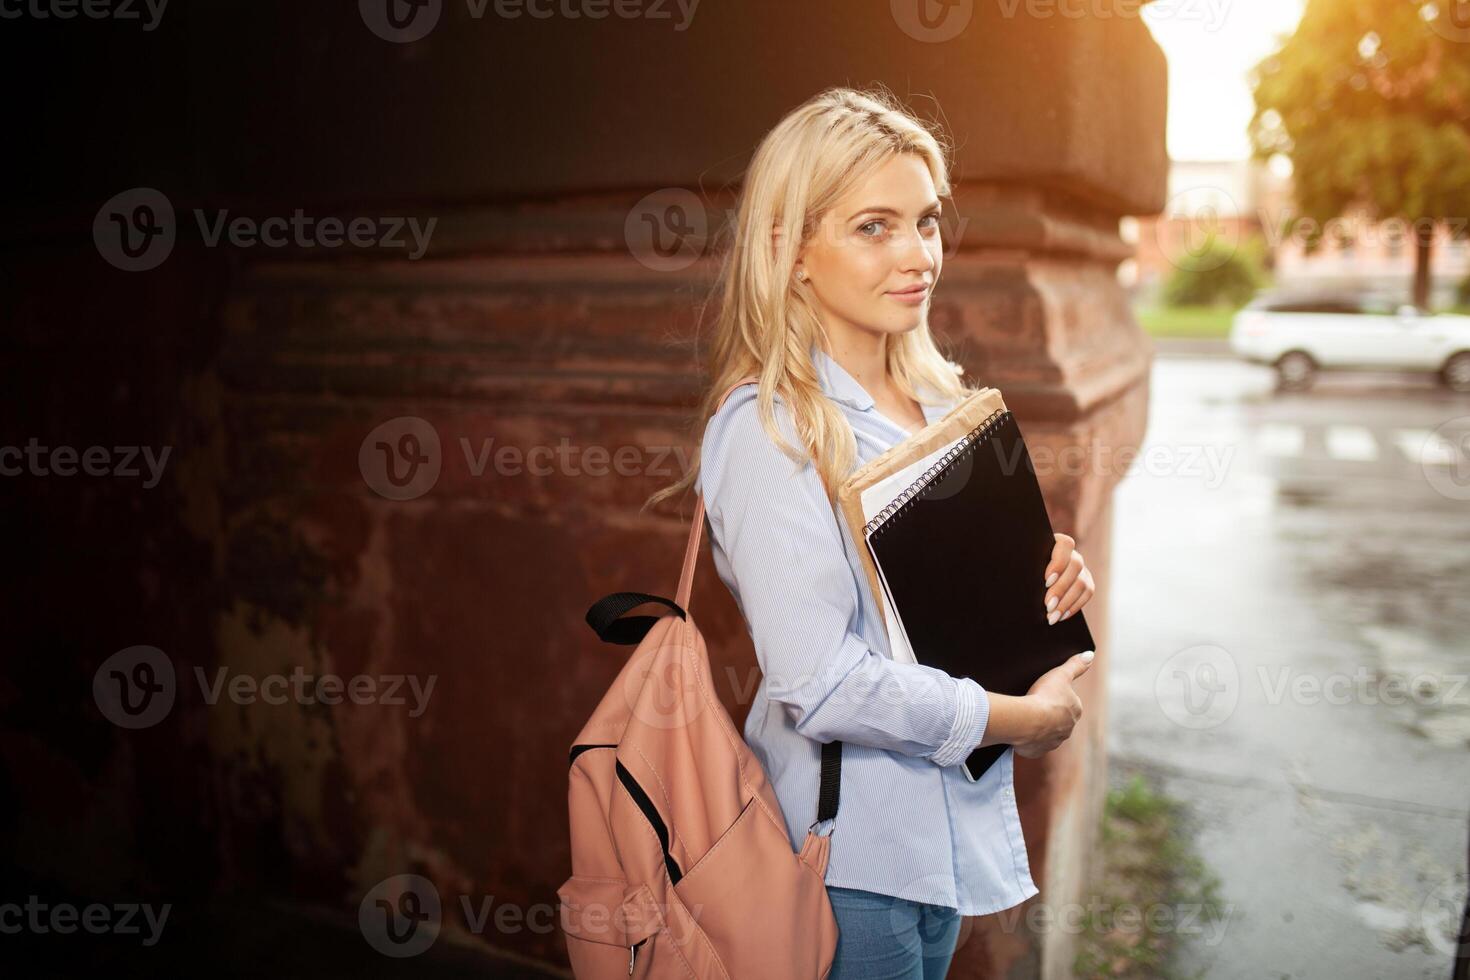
[(912, 296)]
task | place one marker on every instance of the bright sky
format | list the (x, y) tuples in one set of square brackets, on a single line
[(1211, 45)]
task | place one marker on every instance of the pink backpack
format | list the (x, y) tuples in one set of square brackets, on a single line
[(681, 865)]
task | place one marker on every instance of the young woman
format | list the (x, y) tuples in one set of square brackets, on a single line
[(825, 295)]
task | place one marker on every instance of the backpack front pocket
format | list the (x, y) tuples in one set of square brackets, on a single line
[(747, 894)]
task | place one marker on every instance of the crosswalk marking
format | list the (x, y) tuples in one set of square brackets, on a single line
[(1425, 447), (1358, 443), (1351, 442), (1277, 439)]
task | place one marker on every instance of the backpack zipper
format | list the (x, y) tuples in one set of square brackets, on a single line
[(583, 747), (632, 954), (651, 812)]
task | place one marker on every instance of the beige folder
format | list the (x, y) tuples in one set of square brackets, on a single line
[(965, 417)]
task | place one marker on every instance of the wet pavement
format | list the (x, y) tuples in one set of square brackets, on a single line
[(1290, 651)]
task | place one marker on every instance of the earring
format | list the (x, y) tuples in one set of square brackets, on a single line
[(801, 276)]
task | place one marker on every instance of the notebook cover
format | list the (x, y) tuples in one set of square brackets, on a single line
[(969, 412), (965, 559)]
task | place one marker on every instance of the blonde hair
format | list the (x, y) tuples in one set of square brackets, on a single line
[(768, 320)]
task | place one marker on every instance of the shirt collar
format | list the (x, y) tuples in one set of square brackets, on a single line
[(843, 387), (838, 384)]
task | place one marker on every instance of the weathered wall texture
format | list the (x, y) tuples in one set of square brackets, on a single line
[(299, 389)]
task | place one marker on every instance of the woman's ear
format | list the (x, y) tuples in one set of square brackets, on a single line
[(777, 236)]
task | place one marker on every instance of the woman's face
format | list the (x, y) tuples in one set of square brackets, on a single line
[(874, 247)]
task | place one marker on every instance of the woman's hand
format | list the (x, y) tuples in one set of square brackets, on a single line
[(1044, 717), (1055, 707), (1068, 581)]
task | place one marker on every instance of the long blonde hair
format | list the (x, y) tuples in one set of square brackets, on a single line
[(768, 320)]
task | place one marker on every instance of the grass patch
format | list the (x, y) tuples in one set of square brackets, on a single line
[(1186, 321), (1153, 892)]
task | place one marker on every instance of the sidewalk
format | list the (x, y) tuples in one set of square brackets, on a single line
[(1192, 347)]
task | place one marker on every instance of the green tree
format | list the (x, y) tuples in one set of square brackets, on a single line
[(1217, 275), (1370, 100)]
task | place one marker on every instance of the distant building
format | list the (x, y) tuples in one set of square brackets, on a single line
[(1235, 200)]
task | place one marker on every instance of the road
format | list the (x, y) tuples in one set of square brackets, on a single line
[(1291, 643)]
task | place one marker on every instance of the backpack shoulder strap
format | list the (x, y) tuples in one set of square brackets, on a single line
[(831, 751), (696, 527)]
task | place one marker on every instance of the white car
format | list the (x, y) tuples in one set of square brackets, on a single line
[(1300, 336)]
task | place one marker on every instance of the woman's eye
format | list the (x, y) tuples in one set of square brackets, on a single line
[(935, 216), (870, 224)]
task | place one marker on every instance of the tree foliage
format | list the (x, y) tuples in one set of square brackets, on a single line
[(1218, 275), (1370, 100)]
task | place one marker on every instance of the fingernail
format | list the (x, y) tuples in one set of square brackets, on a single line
[(1069, 613), (1087, 655), (1051, 603), (1051, 618), (1051, 579)]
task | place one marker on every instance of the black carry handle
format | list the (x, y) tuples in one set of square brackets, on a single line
[(606, 617), (831, 781)]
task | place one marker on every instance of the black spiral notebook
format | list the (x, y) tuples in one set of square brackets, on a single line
[(962, 553)]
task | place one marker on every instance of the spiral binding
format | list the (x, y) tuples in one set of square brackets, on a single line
[(897, 504)]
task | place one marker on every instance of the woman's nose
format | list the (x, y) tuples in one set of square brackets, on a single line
[(914, 253)]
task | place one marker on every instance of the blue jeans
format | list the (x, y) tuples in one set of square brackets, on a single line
[(880, 937)]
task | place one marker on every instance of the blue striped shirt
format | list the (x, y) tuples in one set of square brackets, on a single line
[(910, 823)]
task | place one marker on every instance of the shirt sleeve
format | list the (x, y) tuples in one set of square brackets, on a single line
[(798, 593)]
